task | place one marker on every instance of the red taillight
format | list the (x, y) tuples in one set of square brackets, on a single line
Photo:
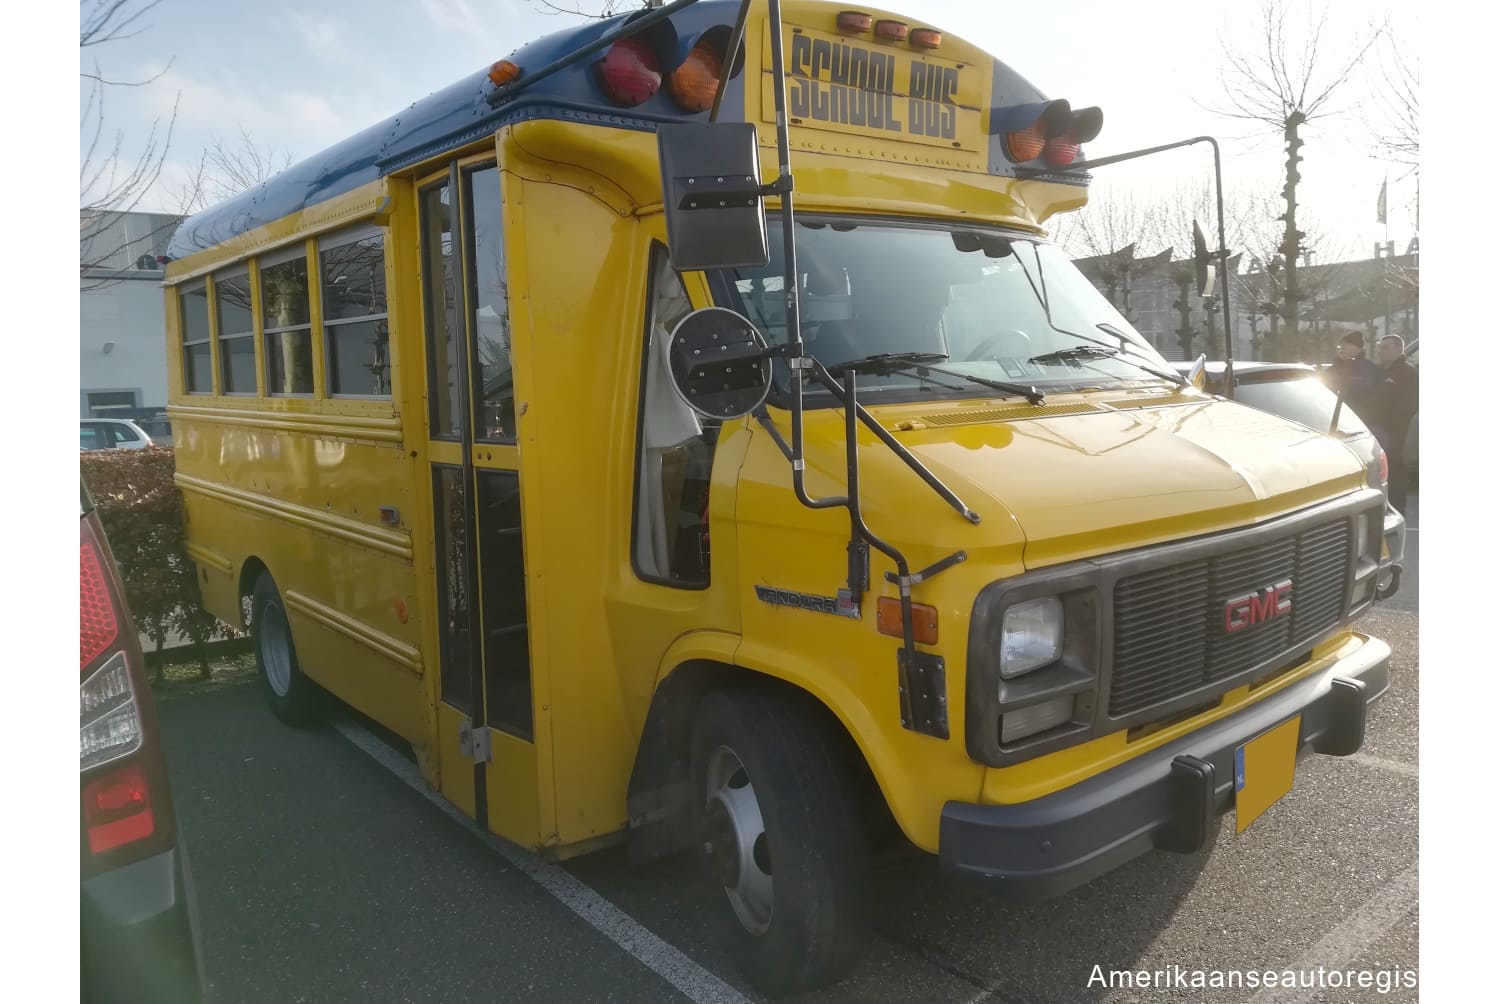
[(630, 72), (117, 809), (1385, 468), (98, 623), (1061, 151)]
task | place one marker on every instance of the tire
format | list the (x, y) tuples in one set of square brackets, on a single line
[(294, 698), (769, 771)]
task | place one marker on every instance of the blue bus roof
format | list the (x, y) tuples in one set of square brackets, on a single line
[(460, 114)]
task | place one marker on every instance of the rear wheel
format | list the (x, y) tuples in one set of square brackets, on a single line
[(294, 698), (782, 838)]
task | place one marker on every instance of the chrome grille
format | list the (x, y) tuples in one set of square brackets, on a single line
[(1170, 637)]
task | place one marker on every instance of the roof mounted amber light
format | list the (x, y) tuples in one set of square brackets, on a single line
[(891, 31), (695, 83), (926, 38), (852, 22), (504, 72)]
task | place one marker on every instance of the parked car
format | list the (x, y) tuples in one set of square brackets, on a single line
[(139, 924), (1295, 392), (112, 434), (158, 427)]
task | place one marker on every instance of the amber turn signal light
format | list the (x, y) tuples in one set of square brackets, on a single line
[(923, 620)]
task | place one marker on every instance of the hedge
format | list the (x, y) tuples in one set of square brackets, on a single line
[(141, 510)]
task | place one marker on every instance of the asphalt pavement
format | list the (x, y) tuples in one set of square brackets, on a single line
[(323, 876)]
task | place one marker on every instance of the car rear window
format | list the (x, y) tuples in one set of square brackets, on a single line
[(1301, 399), (126, 434)]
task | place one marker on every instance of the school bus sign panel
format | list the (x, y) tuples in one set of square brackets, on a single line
[(876, 92)]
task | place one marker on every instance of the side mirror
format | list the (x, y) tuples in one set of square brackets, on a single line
[(720, 362), (711, 191), (1202, 273)]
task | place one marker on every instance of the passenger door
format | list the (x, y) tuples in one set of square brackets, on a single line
[(487, 750)]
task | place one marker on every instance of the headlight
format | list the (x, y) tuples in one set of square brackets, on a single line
[(1031, 636)]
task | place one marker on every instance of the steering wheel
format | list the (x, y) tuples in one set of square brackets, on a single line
[(987, 349)]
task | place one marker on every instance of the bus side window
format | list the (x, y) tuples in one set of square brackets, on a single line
[(675, 453)]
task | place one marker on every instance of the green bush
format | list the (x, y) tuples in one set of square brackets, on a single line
[(141, 509)]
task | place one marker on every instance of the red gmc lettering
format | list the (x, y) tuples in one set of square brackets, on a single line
[(1256, 608)]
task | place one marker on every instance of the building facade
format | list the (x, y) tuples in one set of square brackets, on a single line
[(122, 352)]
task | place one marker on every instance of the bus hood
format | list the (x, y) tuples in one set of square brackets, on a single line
[(1083, 484)]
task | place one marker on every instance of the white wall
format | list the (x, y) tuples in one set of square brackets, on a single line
[(128, 312)]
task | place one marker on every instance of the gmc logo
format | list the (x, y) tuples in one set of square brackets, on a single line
[(1258, 607)]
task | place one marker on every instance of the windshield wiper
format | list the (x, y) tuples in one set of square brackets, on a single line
[(1079, 353), (886, 363)]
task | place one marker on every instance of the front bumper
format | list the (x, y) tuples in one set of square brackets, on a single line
[(1167, 799)]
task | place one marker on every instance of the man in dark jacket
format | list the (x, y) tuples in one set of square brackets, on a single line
[(1394, 405), (1353, 375)]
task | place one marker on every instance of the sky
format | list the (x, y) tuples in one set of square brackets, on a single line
[(299, 77)]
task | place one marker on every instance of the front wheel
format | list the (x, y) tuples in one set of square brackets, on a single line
[(782, 838)]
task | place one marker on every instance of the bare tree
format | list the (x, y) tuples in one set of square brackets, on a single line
[(112, 180), (1285, 80), (228, 168), (1393, 116), (606, 8)]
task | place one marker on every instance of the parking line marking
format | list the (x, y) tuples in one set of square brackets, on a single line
[(1350, 939), (1381, 763), (690, 979)]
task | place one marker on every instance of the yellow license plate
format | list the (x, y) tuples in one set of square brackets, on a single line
[(1263, 771)]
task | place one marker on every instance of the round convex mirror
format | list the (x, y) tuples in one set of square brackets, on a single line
[(721, 365)]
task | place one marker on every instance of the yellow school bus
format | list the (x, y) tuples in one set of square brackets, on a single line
[(540, 425)]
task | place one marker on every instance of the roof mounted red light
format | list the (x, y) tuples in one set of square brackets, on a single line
[(852, 22), (891, 31), (926, 38), (630, 72)]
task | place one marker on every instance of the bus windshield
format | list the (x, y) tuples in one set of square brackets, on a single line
[(996, 304)]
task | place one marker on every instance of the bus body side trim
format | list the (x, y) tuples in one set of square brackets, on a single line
[(404, 655), (212, 560), (384, 429), (393, 543)]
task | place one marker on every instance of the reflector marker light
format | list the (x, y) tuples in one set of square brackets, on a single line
[(853, 22), (926, 38)]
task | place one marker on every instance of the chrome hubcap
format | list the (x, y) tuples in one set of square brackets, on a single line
[(735, 843), (275, 650)]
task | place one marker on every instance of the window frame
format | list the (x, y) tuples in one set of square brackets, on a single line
[(329, 242), (221, 340), (654, 258), (183, 291), (437, 426), (470, 294), (275, 259)]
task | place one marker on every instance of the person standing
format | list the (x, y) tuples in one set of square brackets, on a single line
[(1354, 376), (1394, 405)]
